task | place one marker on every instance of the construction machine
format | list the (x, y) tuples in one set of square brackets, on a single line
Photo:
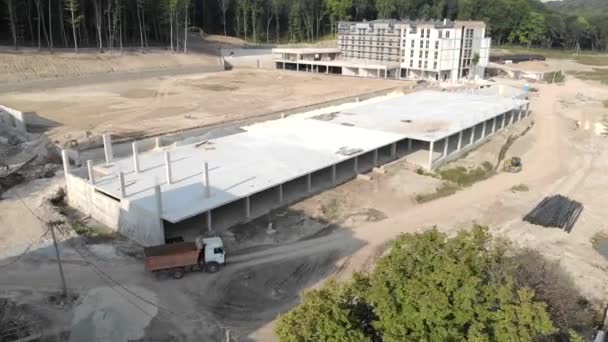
[(513, 165)]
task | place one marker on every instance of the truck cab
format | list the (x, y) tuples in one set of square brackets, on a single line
[(213, 251)]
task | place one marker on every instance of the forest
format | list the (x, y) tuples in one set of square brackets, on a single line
[(114, 24)]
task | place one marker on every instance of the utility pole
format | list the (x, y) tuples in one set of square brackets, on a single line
[(51, 225)]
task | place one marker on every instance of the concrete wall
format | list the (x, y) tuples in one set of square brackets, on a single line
[(129, 220), (14, 118)]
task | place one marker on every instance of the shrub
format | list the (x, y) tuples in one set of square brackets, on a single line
[(428, 288)]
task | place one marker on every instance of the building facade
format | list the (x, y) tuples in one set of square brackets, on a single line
[(425, 50)]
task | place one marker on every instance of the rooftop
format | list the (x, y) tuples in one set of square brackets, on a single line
[(425, 115), (275, 152)]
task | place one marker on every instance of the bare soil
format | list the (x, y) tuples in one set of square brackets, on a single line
[(154, 106)]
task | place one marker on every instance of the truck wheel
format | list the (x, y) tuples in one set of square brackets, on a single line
[(212, 267), (178, 273)]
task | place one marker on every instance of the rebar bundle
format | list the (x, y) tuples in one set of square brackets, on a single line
[(556, 212)]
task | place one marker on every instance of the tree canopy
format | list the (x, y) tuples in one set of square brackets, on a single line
[(110, 23), (428, 288)]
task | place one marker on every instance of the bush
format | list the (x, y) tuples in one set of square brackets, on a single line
[(554, 77), (428, 288), (520, 188), (569, 311), (446, 189), (467, 177)]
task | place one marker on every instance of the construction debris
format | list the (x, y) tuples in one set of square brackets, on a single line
[(556, 212)]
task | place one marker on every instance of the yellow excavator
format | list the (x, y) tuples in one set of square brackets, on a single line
[(513, 165)]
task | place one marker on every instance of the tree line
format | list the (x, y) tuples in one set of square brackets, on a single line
[(111, 24)]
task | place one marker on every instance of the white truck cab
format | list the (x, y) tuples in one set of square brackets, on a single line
[(213, 250)]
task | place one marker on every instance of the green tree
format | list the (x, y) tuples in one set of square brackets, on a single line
[(71, 6), (428, 288), (338, 10), (532, 29), (386, 8)]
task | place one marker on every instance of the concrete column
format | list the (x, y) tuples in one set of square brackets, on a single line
[(91, 172), (206, 183), (472, 139), (247, 207), (135, 157), (309, 182), (385, 73), (159, 208), (375, 157), (378, 73), (459, 140), (356, 167), (65, 158), (445, 146), (519, 115), (107, 148), (284, 66), (280, 193), (168, 167), (333, 174), (209, 222), (494, 125), (431, 148), (483, 131), (327, 70), (121, 180), (297, 66), (157, 142), (394, 150), (409, 145)]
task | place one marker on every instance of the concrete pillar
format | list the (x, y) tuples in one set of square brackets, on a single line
[(409, 145), (375, 157), (378, 73), (209, 222), (459, 140), (472, 139), (394, 150), (356, 167), (91, 172), (280, 193), (284, 66), (247, 207), (107, 148), (385, 73), (65, 158), (494, 125), (297, 66), (333, 174), (159, 208), (327, 70), (206, 183), (157, 142), (431, 148), (445, 146), (168, 167), (483, 130), (309, 182), (121, 180), (135, 157)]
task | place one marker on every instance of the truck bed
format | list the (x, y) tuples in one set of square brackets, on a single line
[(171, 256)]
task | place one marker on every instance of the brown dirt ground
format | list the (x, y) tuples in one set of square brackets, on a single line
[(167, 104)]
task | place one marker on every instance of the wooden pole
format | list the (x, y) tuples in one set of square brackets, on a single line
[(51, 226)]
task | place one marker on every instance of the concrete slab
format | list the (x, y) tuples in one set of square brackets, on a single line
[(239, 165), (426, 115)]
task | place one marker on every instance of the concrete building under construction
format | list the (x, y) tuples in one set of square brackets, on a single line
[(214, 184)]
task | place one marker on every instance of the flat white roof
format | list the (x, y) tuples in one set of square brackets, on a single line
[(276, 152), (239, 165), (306, 50), (425, 115)]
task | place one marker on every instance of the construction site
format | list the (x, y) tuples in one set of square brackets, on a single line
[(305, 177)]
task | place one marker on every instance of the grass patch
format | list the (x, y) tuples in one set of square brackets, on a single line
[(466, 177), (520, 188), (446, 189), (554, 77), (550, 53), (94, 235), (598, 239), (331, 210), (600, 75), (598, 60)]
